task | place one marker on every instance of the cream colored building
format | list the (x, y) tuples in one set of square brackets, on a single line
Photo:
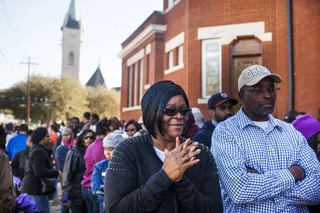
[(71, 40)]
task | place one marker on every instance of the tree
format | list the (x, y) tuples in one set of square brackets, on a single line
[(15, 98), (50, 98), (69, 98), (59, 98), (103, 101)]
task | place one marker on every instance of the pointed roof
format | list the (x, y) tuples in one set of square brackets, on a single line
[(72, 13), (72, 20), (96, 79)]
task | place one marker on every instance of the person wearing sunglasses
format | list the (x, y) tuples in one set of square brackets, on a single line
[(264, 164), (132, 127), (160, 171), (73, 171), (220, 108), (93, 155)]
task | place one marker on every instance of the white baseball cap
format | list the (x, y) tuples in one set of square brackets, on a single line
[(255, 73)]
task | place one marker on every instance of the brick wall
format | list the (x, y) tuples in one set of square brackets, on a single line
[(306, 33), (208, 13), (189, 15)]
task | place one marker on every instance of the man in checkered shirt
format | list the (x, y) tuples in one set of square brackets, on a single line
[(264, 164)]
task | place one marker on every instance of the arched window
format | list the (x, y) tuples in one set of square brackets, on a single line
[(71, 59)]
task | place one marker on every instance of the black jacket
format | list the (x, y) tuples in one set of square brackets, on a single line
[(135, 182), (39, 167), (73, 170), (205, 133), (18, 163)]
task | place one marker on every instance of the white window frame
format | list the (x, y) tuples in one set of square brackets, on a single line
[(206, 55), (141, 80), (170, 3), (130, 85), (135, 84), (170, 59), (180, 55)]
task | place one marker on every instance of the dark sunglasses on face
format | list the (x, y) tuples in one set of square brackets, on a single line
[(173, 112), (87, 137)]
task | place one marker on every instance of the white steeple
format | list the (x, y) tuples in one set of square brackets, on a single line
[(72, 13), (71, 40)]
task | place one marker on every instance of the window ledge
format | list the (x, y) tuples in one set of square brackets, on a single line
[(126, 109), (202, 101), (173, 69), (174, 4)]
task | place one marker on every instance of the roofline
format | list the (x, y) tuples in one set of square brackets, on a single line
[(141, 37), (142, 25)]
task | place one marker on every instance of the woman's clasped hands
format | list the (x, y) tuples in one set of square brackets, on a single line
[(180, 159)]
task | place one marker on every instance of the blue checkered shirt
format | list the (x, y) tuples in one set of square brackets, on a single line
[(238, 143)]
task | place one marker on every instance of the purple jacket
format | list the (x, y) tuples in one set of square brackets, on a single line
[(93, 155)]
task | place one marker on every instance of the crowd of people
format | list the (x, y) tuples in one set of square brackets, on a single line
[(168, 160)]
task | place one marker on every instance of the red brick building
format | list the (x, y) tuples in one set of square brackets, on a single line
[(204, 45)]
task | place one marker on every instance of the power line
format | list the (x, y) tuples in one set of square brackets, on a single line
[(5, 59), (29, 63)]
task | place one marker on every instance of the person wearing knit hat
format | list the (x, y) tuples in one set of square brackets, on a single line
[(39, 168), (307, 125), (39, 135), (310, 129), (109, 144)]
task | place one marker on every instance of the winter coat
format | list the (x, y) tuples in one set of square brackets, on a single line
[(73, 171), (39, 166)]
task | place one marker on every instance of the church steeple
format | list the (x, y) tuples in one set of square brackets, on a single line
[(72, 20), (72, 13), (71, 40)]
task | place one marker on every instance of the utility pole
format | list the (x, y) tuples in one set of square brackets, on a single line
[(28, 88)]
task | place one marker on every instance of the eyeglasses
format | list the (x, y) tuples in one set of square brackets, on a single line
[(89, 137), (259, 90), (173, 112), (131, 130)]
